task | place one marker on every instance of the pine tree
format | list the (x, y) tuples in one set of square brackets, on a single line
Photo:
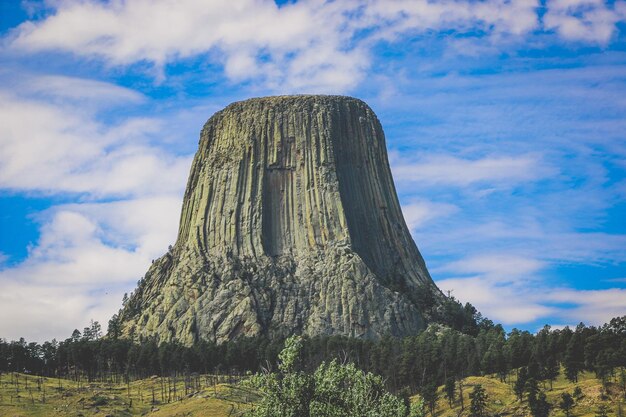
[(541, 406), (75, 335), (478, 404), (114, 330), (532, 389), (450, 390), (429, 393), (537, 401), (520, 385), (96, 330), (551, 369), (574, 356), (578, 393), (566, 404)]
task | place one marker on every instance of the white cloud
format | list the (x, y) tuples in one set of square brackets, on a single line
[(254, 38), (450, 170), (584, 20), (40, 312), (302, 46), (594, 307), (147, 224), (496, 267), (396, 17), (513, 290), (55, 145), (306, 45), (500, 285), (70, 252), (420, 212), (86, 257), (88, 253), (57, 87), (527, 236), (507, 304)]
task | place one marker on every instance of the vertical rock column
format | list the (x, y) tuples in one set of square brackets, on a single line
[(290, 223)]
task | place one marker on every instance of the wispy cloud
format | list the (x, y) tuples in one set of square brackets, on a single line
[(418, 213), (308, 45), (513, 290), (63, 88), (591, 306), (53, 142), (496, 267), (58, 144), (584, 20), (507, 304), (299, 44), (450, 170), (86, 257)]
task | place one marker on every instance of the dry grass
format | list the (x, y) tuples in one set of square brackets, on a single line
[(502, 400), (26, 395)]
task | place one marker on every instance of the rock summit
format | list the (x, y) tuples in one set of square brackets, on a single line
[(290, 224)]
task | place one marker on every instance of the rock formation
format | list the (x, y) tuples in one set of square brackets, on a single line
[(290, 224)]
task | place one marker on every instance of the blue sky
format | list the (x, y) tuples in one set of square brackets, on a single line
[(505, 122)]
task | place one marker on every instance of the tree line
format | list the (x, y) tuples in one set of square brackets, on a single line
[(440, 355)]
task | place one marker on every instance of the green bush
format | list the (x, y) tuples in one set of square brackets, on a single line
[(333, 390)]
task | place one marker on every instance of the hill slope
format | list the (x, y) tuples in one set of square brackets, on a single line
[(503, 401), (32, 396), (67, 398)]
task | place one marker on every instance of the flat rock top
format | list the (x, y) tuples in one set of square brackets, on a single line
[(297, 98), (292, 101)]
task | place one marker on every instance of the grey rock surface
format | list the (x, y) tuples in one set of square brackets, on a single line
[(290, 224)]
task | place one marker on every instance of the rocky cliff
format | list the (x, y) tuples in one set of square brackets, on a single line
[(290, 223)]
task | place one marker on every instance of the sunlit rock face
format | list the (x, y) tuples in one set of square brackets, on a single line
[(290, 224)]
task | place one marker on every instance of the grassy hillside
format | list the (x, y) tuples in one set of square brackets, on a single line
[(503, 401), (26, 395)]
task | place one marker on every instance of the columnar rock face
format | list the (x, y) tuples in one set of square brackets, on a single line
[(290, 224)]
